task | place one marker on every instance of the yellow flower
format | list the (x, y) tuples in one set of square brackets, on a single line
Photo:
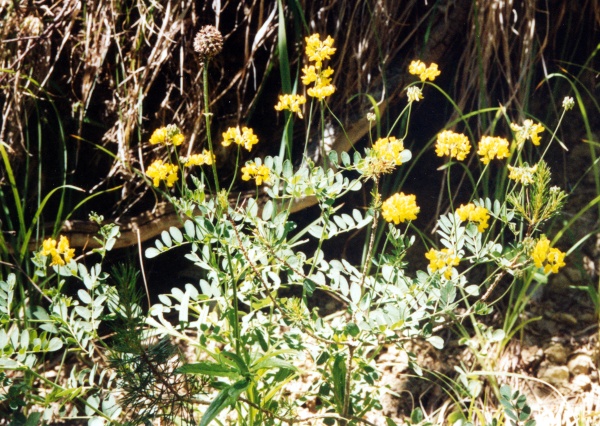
[(244, 137), (321, 92), (523, 175), (205, 157), (60, 253), (170, 135), (317, 50), (423, 71), (389, 149), (456, 145), (443, 259), (309, 75), (259, 173), (417, 67), (473, 213), (162, 171), (529, 130), (400, 208), (414, 94), (291, 103), (492, 147), (551, 259)]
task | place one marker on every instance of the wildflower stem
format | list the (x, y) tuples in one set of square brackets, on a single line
[(207, 116)]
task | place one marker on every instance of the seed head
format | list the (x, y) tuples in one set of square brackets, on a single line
[(208, 42)]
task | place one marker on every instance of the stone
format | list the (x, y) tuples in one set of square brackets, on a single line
[(580, 364), (556, 375), (556, 353), (564, 318), (582, 383)]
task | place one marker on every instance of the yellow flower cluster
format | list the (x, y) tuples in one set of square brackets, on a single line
[(414, 94), (491, 147), (253, 171), (318, 51), (205, 157), (523, 175), (442, 260), (423, 71), (389, 150), (400, 208), (456, 145), (291, 103), (244, 137), (170, 135), (60, 252), (551, 259), (472, 213), (159, 170), (529, 130)]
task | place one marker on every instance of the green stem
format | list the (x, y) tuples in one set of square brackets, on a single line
[(207, 116)]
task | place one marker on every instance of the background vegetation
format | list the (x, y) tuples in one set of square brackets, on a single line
[(84, 84)]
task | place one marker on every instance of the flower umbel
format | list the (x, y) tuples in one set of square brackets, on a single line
[(456, 145), (568, 103), (414, 94), (260, 173), (244, 137), (399, 208), (60, 252), (442, 260), (291, 103), (529, 130), (493, 147), (472, 213), (386, 154), (551, 259), (170, 135), (423, 71), (318, 51), (205, 157), (523, 175), (208, 42), (389, 149), (159, 170)]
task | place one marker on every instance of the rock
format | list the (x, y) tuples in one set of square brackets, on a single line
[(557, 375), (580, 364), (559, 284), (564, 318), (587, 317), (556, 353), (574, 274), (582, 383)]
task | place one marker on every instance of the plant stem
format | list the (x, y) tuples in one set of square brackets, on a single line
[(207, 115)]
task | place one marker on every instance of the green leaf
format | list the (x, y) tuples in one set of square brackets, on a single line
[(345, 158), (209, 369), (267, 212), (436, 341), (176, 234), (339, 371), (190, 228), (226, 397), (164, 235), (151, 252)]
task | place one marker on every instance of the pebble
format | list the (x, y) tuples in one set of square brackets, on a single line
[(582, 383), (564, 318), (580, 364), (556, 354), (557, 375)]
